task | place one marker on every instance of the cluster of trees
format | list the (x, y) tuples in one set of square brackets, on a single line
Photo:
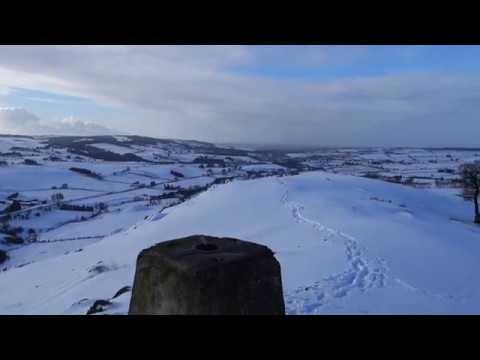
[(63, 187), (57, 198), (13, 207), (372, 175), (170, 187), (99, 207), (155, 200), (13, 196), (13, 234), (223, 180), (185, 194), (12, 154), (211, 165), (3, 256), (86, 172), (69, 207), (32, 235), (177, 174), (30, 162), (210, 162), (446, 171)]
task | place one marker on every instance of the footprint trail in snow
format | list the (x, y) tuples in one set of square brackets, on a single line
[(361, 273)]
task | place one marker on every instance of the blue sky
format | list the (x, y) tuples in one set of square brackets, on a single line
[(366, 61), (272, 94)]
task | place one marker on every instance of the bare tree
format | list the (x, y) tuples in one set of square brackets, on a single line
[(57, 198), (471, 181)]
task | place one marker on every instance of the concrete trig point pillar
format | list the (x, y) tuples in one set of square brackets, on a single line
[(203, 275)]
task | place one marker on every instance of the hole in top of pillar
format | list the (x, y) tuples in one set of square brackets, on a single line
[(206, 247)]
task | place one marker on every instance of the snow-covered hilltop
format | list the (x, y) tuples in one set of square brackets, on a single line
[(346, 244)]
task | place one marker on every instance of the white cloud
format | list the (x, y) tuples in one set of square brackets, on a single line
[(71, 125), (308, 55), (191, 92), (20, 121)]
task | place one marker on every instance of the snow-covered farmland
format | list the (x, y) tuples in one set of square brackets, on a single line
[(262, 167), (346, 245), (114, 148), (7, 143)]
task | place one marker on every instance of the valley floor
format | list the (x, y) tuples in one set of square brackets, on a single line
[(346, 245)]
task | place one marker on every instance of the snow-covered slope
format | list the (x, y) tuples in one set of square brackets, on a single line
[(114, 148), (345, 244), (7, 143)]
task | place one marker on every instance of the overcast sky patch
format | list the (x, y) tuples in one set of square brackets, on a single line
[(311, 95)]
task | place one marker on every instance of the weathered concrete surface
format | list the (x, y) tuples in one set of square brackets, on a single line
[(202, 275)]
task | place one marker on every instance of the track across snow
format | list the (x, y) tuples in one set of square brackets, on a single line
[(346, 245), (360, 273)]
